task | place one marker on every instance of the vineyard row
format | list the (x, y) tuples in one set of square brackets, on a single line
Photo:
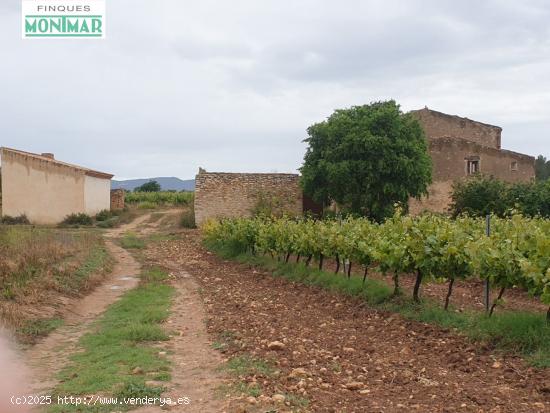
[(432, 247)]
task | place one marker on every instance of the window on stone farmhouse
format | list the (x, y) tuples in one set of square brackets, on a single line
[(472, 166), (513, 166)]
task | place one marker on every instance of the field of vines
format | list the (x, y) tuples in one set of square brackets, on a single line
[(434, 248), (162, 198)]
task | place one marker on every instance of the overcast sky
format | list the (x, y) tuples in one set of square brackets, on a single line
[(233, 85)]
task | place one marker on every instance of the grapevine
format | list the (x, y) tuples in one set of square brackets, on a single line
[(433, 247)]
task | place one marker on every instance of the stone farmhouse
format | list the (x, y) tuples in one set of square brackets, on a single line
[(47, 190), (459, 148)]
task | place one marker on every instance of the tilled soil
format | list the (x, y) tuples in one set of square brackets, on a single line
[(343, 356), (467, 294)]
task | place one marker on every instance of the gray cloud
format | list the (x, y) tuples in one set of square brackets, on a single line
[(233, 85)]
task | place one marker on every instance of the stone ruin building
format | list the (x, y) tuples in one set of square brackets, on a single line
[(459, 148)]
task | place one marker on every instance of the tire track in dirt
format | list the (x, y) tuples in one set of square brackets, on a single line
[(195, 365), (49, 356)]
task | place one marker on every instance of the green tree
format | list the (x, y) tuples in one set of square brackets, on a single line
[(479, 196), (151, 186), (482, 195), (367, 158), (542, 168)]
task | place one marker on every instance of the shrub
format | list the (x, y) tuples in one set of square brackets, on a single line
[(103, 215), (479, 196), (483, 195), (109, 223), (269, 205), (20, 220), (78, 219), (187, 219)]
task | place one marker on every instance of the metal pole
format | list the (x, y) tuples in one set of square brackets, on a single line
[(487, 286), (340, 258)]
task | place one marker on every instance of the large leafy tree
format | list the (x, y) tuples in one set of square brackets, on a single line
[(542, 168), (151, 186), (367, 159)]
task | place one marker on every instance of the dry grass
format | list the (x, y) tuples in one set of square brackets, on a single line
[(41, 268)]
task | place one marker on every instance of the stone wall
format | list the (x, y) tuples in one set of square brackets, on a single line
[(237, 194), (117, 199), (437, 125), (450, 156)]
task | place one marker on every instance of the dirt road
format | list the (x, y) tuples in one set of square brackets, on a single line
[(50, 355), (194, 362)]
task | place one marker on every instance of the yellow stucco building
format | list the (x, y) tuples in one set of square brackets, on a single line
[(47, 190)]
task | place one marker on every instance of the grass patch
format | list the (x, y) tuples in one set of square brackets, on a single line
[(162, 376), (240, 366), (138, 391), (524, 333), (225, 342), (335, 367), (240, 388), (120, 342), (40, 328), (246, 365), (297, 401), (154, 275), (220, 346), (159, 237), (97, 261), (132, 241)]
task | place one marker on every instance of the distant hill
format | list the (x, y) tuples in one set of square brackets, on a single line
[(167, 184)]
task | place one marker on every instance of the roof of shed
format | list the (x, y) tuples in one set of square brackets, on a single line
[(87, 171)]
